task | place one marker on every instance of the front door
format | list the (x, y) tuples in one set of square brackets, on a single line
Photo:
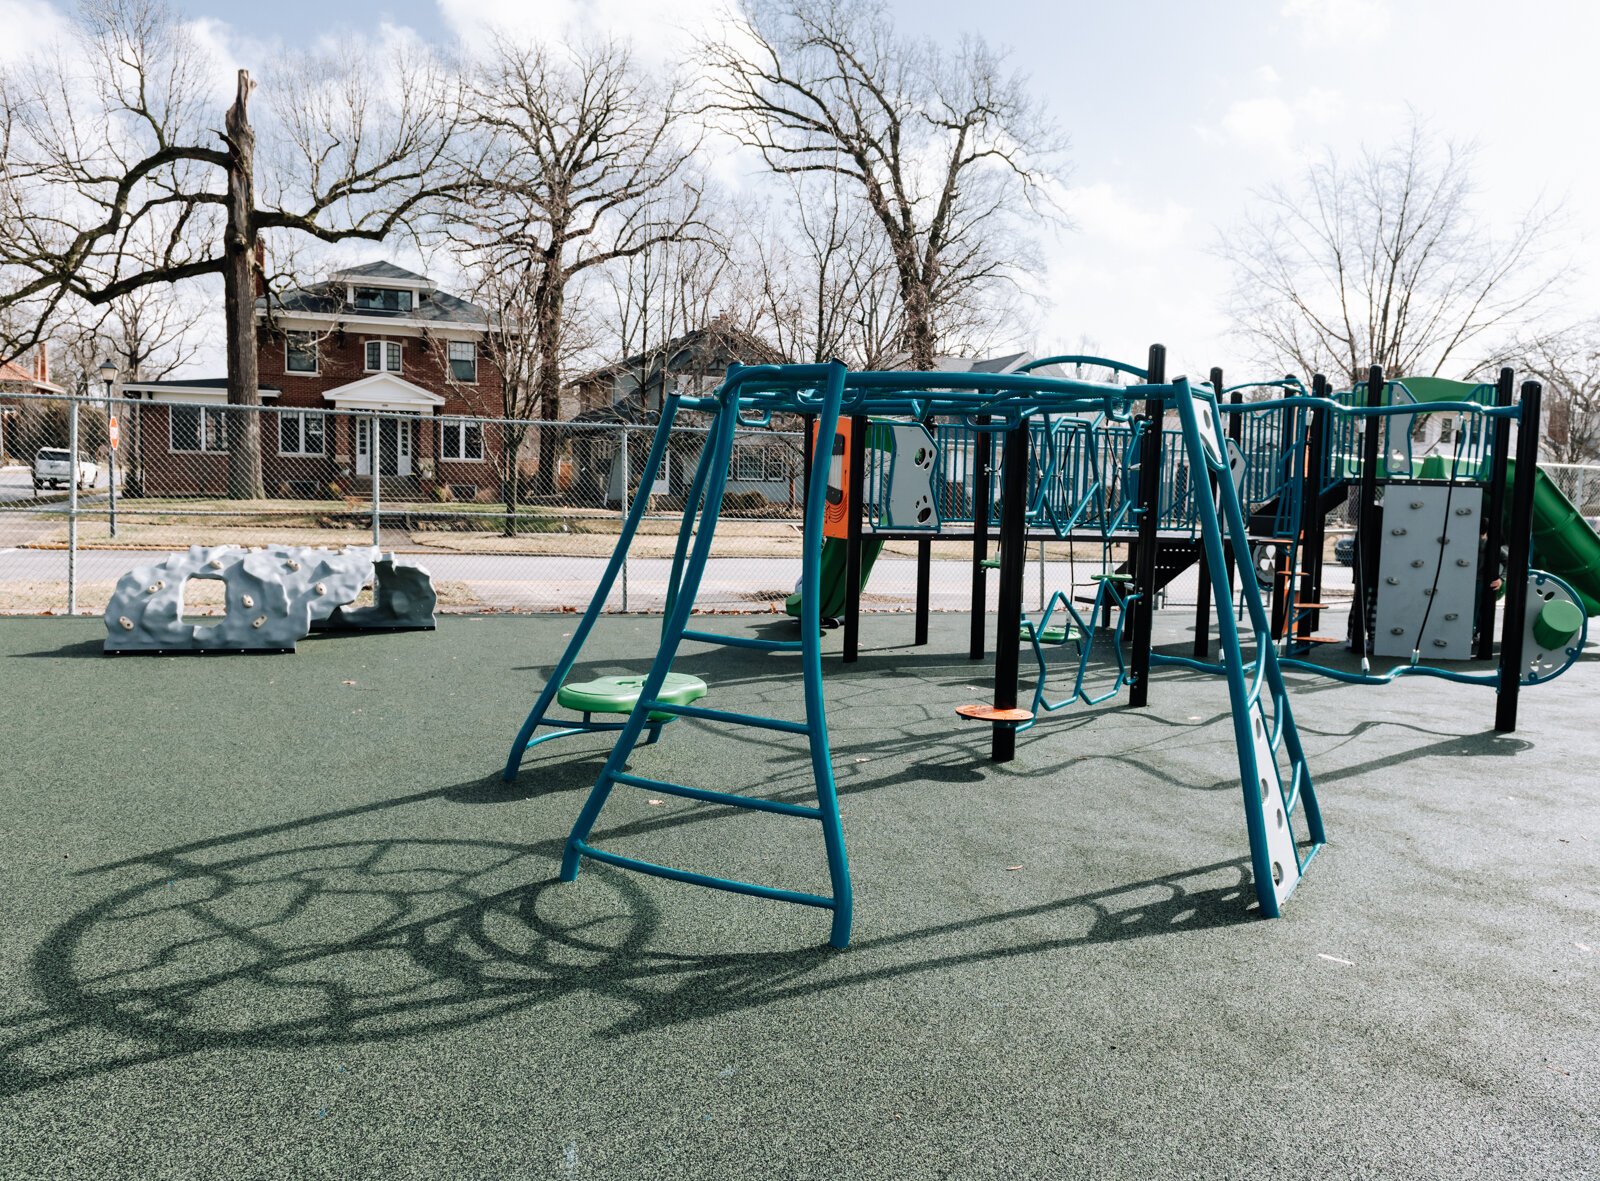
[(395, 445)]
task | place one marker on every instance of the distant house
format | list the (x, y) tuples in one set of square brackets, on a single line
[(631, 391), (372, 339), (23, 377)]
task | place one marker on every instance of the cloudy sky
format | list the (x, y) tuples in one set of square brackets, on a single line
[(1176, 110)]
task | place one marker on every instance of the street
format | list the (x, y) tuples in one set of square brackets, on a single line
[(554, 582)]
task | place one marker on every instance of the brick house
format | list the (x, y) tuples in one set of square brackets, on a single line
[(23, 377), (373, 368)]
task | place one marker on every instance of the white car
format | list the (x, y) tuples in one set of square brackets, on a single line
[(53, 466)]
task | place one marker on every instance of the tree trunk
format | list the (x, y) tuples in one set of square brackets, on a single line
[(549, 308), (511, 439), (239, 302)]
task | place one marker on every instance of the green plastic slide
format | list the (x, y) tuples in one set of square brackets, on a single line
[(832, 576), (1563, 542)]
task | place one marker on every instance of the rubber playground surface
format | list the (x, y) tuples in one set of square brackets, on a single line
[(278, 917)]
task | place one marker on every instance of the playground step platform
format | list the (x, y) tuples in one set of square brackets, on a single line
[(618, 695), (1056, 633), (993, 713)]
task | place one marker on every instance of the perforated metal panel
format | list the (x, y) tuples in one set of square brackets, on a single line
[(1410, 572)]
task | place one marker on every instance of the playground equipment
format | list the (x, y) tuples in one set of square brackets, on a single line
[(1033, 417), (275, 596), (1088, 461), (1429, 533)]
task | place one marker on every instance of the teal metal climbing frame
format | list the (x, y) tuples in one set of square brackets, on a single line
[(1277, 787)]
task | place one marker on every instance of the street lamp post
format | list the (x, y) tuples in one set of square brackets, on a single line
[(108, 374)]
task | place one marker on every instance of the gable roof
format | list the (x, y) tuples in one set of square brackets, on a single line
[(710, 349), (12, 374), (328, 299), (382, 391), (383, 270)]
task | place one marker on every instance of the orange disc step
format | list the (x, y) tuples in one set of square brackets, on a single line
[(993, 713)]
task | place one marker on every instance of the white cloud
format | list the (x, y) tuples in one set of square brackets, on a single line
[(29, 26), (659, 32), (1260, 122), (1104, 215), (1267, 76), (1338, 22), (1278, 125)]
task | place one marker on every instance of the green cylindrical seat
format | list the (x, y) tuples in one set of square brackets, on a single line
[(618, 695), (1557, 622)]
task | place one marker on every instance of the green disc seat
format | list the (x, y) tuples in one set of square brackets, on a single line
[(1112, 577), (1056, 633), (618, 695)]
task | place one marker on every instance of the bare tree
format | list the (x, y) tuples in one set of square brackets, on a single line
[(512, 347), (110, 183), (945, 148), (1383, 262), (1567, 363), (149, 332), (824, 277), (679, 285), (573, 146)]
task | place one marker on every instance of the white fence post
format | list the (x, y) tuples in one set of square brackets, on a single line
[(375, 463), (72, 509)]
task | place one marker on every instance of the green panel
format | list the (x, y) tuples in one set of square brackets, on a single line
[(1440, 389)]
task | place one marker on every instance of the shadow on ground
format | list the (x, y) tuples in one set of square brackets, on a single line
[(376, 940)]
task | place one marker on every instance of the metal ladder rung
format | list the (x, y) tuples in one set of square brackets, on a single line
[(707, 796), (733, 719), (732, 885)]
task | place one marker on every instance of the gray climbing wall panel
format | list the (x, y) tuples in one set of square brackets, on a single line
[(1410, 573), (274, 596)]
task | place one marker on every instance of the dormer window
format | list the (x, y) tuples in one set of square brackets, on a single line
[(381, 299)]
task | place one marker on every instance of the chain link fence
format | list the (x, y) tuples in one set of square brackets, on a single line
[(506, 515)]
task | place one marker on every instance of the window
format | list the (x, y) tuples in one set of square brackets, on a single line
[(197, 428), (749, 463), (300, 352), (383, 355), (299, 433), (460, 439), (382, 299), (758, 462), (464, 360)]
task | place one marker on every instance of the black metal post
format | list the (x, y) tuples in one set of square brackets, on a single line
[(852, 558), (1202, 598), (1495, 519), (924, 587), (1236, 434), (1368, 540), (1519, 541), (1013, 560), (1143, 564), (1315, 534), (982, 450)]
